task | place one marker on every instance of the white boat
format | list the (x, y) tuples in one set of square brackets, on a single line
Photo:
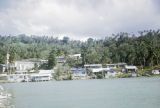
[(18, 78)]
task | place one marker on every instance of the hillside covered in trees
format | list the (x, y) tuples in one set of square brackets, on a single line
[(142, 49)]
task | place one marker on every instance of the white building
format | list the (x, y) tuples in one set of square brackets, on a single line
[(117, 65), (107, 72), (131, 69), (79, 73), (156, 72), (110, 73), (28, 64), (75, 56), (92, 66), (95, 68), (18, 78), (24, 65), (98, 69), (43, 75), (111, 66)]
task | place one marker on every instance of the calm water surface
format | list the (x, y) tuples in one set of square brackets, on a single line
[(109, 93)]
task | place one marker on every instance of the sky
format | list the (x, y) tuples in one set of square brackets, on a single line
[(78, 19)]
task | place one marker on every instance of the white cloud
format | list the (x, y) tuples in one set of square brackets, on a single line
[(78, 18)]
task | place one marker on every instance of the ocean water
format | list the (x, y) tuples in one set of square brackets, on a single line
[(107, 93)]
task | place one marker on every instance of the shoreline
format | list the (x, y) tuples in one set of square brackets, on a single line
[(153, 76)]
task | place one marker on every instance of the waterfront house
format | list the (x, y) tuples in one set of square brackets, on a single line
[(116, 65), (110, 73), (93, 69), (43, 75), (156, 72), (20, 65), (79, 73), (24, 76), (24, 65), (111, 66), (131, 69), (14, 77), (106, 72), (28, 64), (92, 66), (97, 69), (18, 78)]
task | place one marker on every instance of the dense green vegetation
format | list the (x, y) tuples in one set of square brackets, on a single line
[(23, 47), (52, 59), (142, 49)]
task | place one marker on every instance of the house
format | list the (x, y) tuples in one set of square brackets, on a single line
[(79, 73), (75, 56), (18, 78), (97, 69), (23, 76), (43, 75), (93, 69), (111, 66), (25, 65), (110, 73), (117, 65), (92, 66), (21, 65), (28, 64), (60, 59), (156, 72), (131, 69), (106, 72)]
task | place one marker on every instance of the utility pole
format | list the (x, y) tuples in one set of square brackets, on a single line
[(7, 63)]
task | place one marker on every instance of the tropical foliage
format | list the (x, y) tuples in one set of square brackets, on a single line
[(142, 49)]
